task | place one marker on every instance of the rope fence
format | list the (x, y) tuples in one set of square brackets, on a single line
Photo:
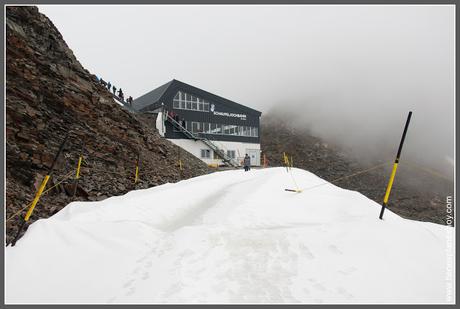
[(288, 162)]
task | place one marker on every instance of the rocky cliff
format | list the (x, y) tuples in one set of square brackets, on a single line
[(49, 95), (416, 194)]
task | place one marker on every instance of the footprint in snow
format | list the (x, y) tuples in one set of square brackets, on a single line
[(136, 270), (111, 300), (130, 291), (343, 292), (307, 252), (127, 284), (148, 264), (335, 250), (319, 286), (347, 271)]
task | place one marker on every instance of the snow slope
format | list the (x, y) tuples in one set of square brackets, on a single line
[(229, 237)]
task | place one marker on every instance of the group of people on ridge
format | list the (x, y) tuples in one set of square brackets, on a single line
[(119, 94)]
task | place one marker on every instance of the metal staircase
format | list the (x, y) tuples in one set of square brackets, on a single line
[(220, 153)]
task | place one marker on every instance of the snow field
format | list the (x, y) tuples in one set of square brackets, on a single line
[(229, 237)]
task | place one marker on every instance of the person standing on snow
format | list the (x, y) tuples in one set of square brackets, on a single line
[(247, 163), (114, 89), (109, 85)]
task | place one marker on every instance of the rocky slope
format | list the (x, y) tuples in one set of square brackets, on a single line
[(49, 95), (416, 194)]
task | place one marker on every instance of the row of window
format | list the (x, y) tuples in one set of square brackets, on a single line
[(206, 154), (221, 129), (184, 100)]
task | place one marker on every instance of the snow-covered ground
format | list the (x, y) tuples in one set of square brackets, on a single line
[(229, 237)]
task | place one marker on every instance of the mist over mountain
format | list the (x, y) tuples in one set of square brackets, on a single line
[(349, 73)]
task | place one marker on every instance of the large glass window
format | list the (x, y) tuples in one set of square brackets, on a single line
[(188, 101), (221, 129)]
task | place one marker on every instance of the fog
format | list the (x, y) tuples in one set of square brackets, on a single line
[(348, 73)]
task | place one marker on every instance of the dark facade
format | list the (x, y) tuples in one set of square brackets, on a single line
[(204, 113)]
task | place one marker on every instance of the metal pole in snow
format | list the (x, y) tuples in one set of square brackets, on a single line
[(39, 192), (395, 167)]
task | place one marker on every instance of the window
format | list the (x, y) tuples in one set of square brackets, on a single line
[(194, 127), (207, 126), (218, 129), (205, 153), (188, 101), (231, 154)]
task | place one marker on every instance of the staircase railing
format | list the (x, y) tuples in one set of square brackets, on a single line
[(220, 153)]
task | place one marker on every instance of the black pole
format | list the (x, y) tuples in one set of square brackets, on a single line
[(395, 167), (61, 147), (23, 223)]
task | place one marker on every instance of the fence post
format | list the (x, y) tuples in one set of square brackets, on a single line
[(285, 161), (395, 167), (136, 176), (39, 192), (77, 175)]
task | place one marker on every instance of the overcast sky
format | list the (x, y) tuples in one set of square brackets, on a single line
[(350, 73)]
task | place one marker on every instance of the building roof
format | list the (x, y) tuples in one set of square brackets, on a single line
[(169, 89), (151, 97)]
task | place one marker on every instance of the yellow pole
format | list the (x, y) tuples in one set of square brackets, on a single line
[(395, 167), (37, 197), (137, 174), (77, 176), (390, 183)]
